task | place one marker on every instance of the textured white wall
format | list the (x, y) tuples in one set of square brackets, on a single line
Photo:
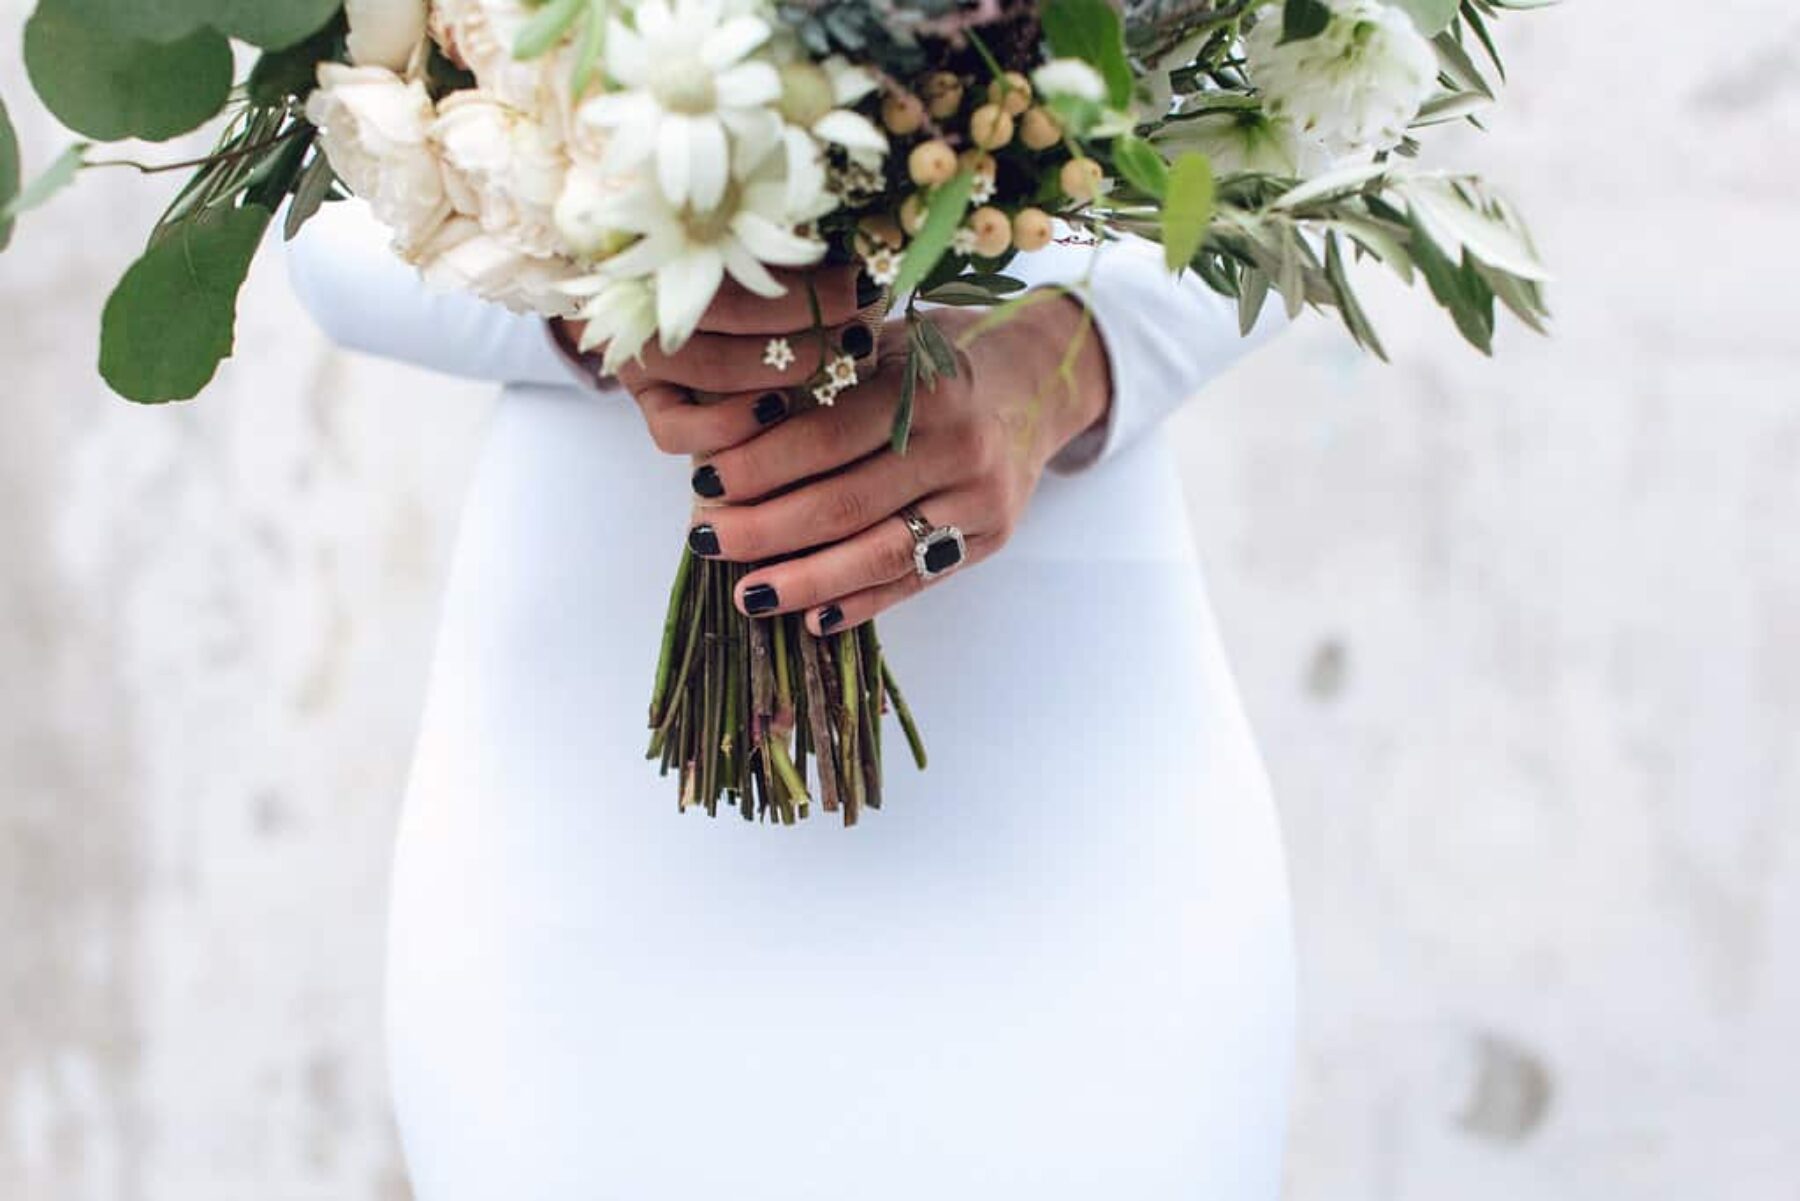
[(1522, 640)]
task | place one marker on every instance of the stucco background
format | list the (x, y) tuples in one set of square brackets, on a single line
[(1521, 639)]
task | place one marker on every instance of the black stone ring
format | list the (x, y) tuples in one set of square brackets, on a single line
[(937, 549)]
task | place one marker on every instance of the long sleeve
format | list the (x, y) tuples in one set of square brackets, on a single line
[(366, 299), (1165, 337)]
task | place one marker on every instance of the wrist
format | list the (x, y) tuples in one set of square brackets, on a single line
[(1052, 348)]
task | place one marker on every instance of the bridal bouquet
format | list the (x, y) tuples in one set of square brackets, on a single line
[(616, 160)]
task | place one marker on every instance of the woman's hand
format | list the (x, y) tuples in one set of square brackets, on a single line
[(728, 359), (821, 491)]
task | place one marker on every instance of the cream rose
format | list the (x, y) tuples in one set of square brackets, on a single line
[(464, 258), (502, 168), (385, 33), (374, 127)]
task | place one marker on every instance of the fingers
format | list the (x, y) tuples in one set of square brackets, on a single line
[(842, 586), (808, 444), (715, 362), (737, 310), (681, 426), (826, 510)]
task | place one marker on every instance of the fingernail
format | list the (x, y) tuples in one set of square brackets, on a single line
[(760, 598), (706, 483), (770, 408), (829, 617), (867, 290), (856, 341), (703, 540)]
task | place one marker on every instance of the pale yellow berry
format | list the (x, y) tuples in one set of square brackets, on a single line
[(977, 162), (931, 163), (879, 230), (990, 127), (1039, 129), (902, 113), (943, 94), (1080, 179), (1031, 229), (993, 232), (1013, 95), (912, 213)]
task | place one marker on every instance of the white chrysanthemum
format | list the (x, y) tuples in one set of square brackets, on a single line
[(1069, 77), (1356, 86), (373, 126), (503, 168), (689, 253), (687, 81), (620, 314)]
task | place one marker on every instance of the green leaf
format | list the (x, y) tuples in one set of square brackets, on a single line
[(1431, 16), (54, 178), (310, 193), (943, 215), (1141, 164), (546, 27), (9, 173), (1091, 30), (909, 385), (293, 70), (267, 24), (1187, 209), (110, 87), (1349, 308), (171, 320), (1302, 19)]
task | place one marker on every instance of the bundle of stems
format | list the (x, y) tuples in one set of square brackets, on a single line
[(742, 704)]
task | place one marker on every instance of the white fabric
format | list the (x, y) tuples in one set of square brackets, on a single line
[(1055, 966)]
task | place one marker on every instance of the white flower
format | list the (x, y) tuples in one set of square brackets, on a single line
[(1241, 140), (502, 168), (882, 265), (688, 80), (580, 213), (462, 257), (826, 394), (778, 354), (1069, 77), (842, 372), (1354, 87), (384, 33), (620, 313), (963, 241), (689, 253), (373, 126), (982, 190)]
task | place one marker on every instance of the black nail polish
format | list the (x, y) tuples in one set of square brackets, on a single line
[(706, 483), (760, 598), (770, 408), (856, 341), (829, 617), (703, 540), (867, 290)]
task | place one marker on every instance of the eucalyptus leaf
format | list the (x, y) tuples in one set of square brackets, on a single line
[(53, 179), (111, 87), (171, 320), (267, 24), (9, 173), (1092, 31), (943, 214), (1187, 209)]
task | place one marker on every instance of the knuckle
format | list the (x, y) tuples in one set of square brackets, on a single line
[(891, 559), (847, 509)]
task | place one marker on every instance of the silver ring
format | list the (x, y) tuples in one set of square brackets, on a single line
[(937, 549)]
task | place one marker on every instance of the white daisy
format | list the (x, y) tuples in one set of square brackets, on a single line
[(688, 253), (685, 80), (620, 313), (883, 265), (778, 354), (814, 100)]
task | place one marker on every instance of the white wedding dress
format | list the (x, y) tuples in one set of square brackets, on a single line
[(1056, 966)]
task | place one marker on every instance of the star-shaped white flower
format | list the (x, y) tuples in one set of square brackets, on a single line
[(983, 189), (842, 371), (883, 265), (778, 354), (825, 394), (964, 241)]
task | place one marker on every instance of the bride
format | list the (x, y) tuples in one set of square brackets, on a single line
[(1055, 966)]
